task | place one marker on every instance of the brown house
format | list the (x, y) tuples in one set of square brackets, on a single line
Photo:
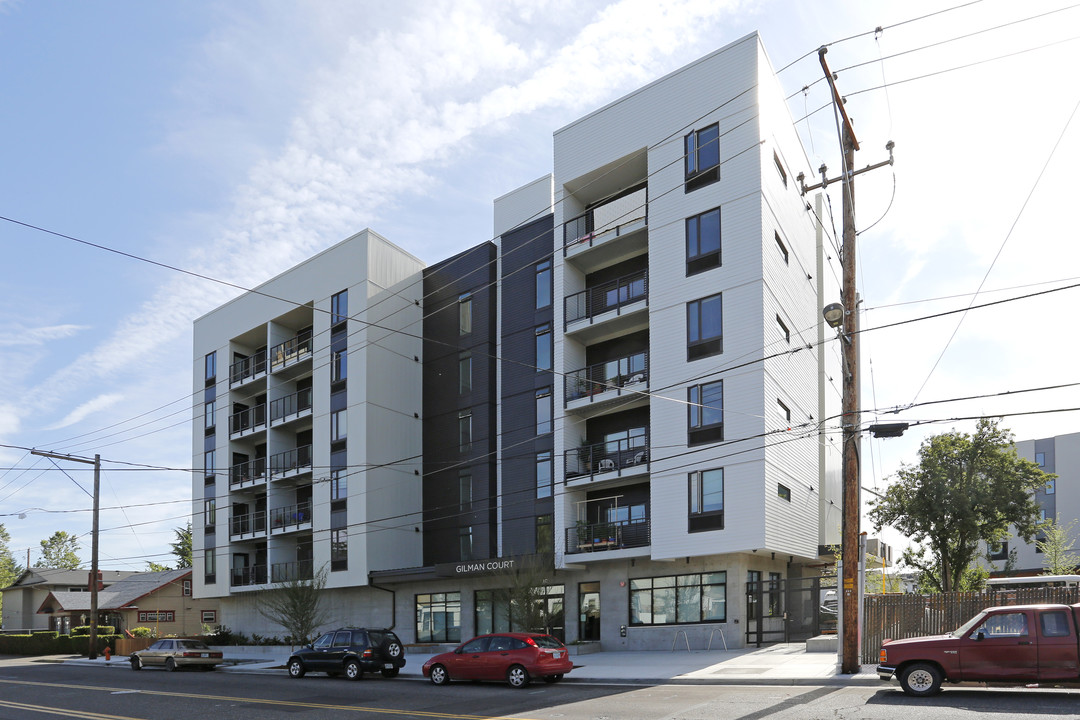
[(158, 600)]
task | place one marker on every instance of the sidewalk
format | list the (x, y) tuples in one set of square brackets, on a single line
[(782, 664)]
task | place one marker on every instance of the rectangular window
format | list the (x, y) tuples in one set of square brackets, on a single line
[(704, 327), (339, 549), (187, 588), (209, 616), (438, 617), (754, 591), (998, 550), (465, 488), (772, 597), (703, 242), (782, 248), (784, 332), (702, 157), (706, 410), (465, 430), (779, 167), (209, 468), (339, 485), (783, 492), (209, 415), (339, 307), (543, 348), (211, 367), (783, 412), (543, 411), (339, 366), (465, 543), (545, 533), (157, 616), (1051, 487), (706, 500), (543, 285), (209, 569), (465, 314), (679, 599), (339, 425), (1040, 459), (543, 474), (210, 512), (464, 372)]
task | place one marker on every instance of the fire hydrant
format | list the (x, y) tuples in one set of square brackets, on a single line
[(108, 652)]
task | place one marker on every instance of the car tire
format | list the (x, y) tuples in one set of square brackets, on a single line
[(389, 672), (439, 675), (136, 663), (170, 664), (353, 671), (553, 678), (296, 668), (391, 650), (921, 679), (517, 676)]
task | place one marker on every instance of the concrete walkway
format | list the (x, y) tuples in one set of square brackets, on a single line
[(773, 665)]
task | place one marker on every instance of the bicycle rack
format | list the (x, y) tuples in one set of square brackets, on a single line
[(714, 631), (676, 639)]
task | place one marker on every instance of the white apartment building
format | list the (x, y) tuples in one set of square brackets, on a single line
[(631, 385)]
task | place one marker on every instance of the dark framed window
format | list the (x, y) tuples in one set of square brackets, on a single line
[(679, 599), (339, 425), (465, 544), (339, 366), (339, 307), (465, 430), (783, 328), (543, 474), (209, 467), (209, 566), (780, 168), (464, 372), (210, 512), (754, 590), (438, 617), (706, 411), (783, 492), (543, 411), (339, 549), (545, 533), (780, 246), (543, 285), (704, 327), (464, 488), (772, 595), (210, 415), (465, 314), (209, 616), (784, 412), (702, 157), (706, 500), (543, 348), (998, 550), (211, 367), (703, 242), (339, 485), (1040, 459)]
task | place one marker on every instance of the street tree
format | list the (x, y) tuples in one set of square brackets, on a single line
[(965, 490), (527, 593), (9, 569), (182, 547), (296, 605), (152, 566), (1057, 548), (61, 551)]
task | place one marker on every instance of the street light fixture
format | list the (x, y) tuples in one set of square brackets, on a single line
[(833, 314)]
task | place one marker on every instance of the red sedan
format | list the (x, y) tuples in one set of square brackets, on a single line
[(514, 657)]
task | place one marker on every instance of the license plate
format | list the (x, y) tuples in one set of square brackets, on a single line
[(557, 654), (388, 666), (206, 655)]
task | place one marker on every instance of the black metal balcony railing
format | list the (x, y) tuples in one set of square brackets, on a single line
[(290, 516), (241, 473), (247, 419), (254, 575), (254, 522), (247, 368), (290, 460), (610, 215), (611, 456), (285, 572), (290, 404), (590, 381), (598, 537), (290, 350), (609, 296)]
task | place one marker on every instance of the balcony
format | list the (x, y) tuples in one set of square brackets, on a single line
[(608, 233), (291, 352), (607, 460), (292, 571), (254, 575), (608, 310), (604, 536), (247, 369), (291, 462), (245, 527), (604, 382), (247, 421), (247, 474), (291, 407), (290, 518)]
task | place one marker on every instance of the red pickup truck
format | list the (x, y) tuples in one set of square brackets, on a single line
[(1012, 644)]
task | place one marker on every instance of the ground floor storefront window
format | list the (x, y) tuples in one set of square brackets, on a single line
[(538, 609), (679, 599), (438, 617)]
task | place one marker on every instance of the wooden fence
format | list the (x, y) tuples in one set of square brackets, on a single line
[(903, 616)]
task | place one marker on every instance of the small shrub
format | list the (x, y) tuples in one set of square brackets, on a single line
[(143, 632), (101, 630)]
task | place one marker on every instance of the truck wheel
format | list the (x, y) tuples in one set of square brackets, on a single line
[(353, 671), (296, 668), (920, 679)]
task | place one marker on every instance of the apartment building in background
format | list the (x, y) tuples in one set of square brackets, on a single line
[(627, 393)]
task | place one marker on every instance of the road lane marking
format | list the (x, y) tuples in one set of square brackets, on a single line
[(85, 714)]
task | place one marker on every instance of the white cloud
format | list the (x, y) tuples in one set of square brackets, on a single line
[(95, 405), (40, 335)]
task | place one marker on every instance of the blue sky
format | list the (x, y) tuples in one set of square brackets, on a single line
[(234, 140)]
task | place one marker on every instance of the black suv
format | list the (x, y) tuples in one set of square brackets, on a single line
[(352, 651)]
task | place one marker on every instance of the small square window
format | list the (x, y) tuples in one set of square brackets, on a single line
[(209, 616), (187, 588), (783, 492)]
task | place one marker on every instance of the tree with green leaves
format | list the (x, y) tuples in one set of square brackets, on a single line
[(9, 569), (527, 593), (965, 490), (61, 552), (296, 605), (182, 547), (152, 566), (1057, 548)]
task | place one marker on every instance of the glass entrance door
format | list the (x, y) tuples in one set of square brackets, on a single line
[(589, 618)]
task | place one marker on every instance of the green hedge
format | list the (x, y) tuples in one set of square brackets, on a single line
[(51, 643), (101, 630)]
